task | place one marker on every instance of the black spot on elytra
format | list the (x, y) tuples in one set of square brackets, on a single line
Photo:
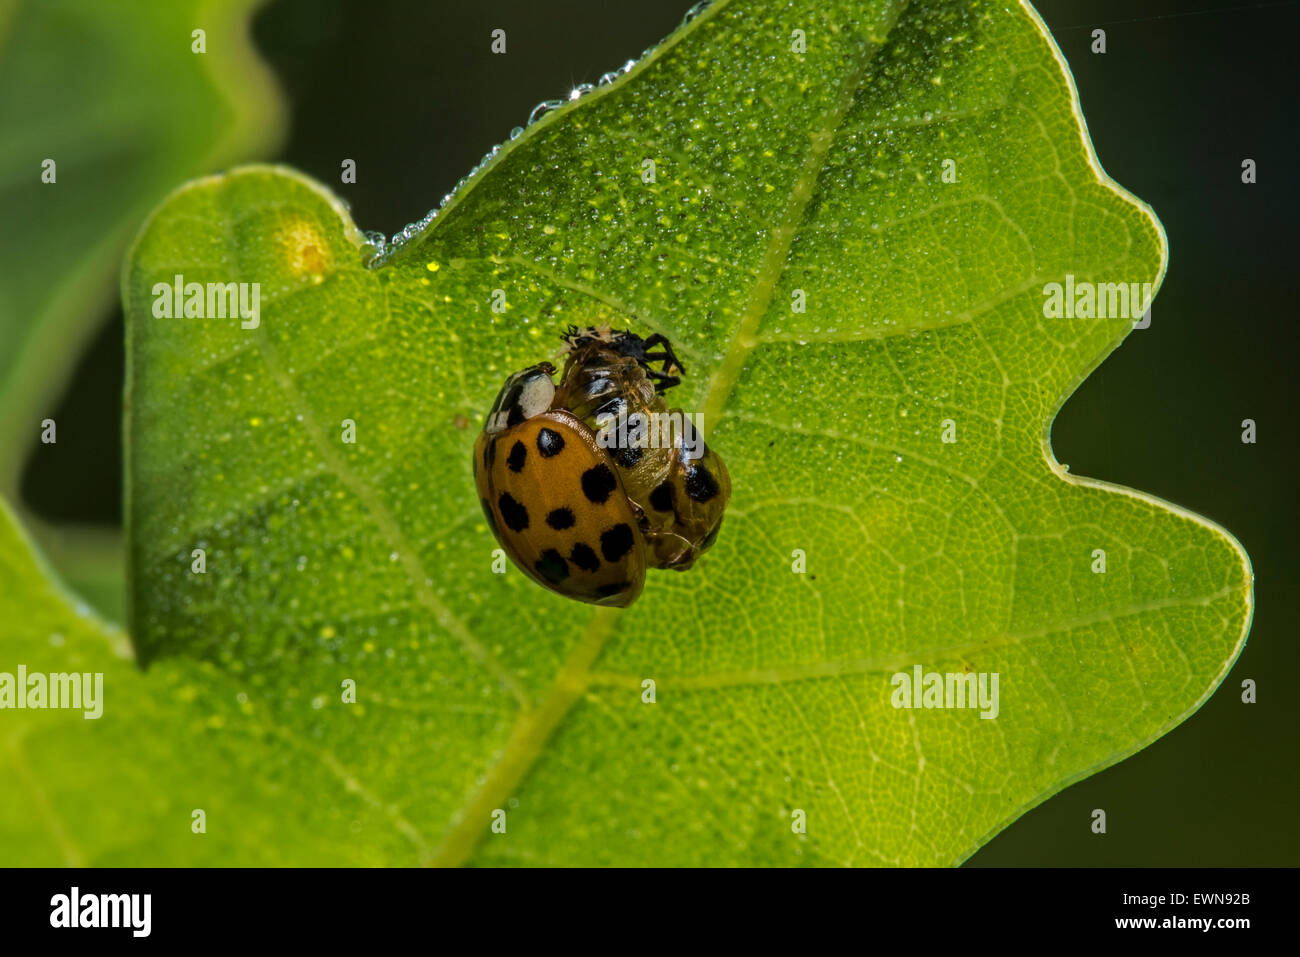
[(559, 518), (490, 454), (515, 515), (616, 542), (552, 566), (517, 457), (628, 457), (700, 483), (487, 513), (605, 591), (584, 557), (661, 499), (597, 482), (549, 443), (691, 440)]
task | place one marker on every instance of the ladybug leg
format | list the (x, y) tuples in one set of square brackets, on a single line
[(667, 357), (662, 380)]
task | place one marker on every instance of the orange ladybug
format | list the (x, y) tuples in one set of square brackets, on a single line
[(577, 506)]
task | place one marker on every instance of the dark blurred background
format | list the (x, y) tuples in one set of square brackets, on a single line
[(1183, 94)]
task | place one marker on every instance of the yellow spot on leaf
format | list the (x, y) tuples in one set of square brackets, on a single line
[(306, 253)]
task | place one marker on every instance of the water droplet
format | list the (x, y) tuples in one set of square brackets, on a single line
[(382, 250), (542, 108)]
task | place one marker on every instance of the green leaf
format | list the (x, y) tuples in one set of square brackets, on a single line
[(121, 789), (125, 110), (89, 560), (775, 171)]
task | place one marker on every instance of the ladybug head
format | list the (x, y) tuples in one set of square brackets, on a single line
[(524, 395)]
